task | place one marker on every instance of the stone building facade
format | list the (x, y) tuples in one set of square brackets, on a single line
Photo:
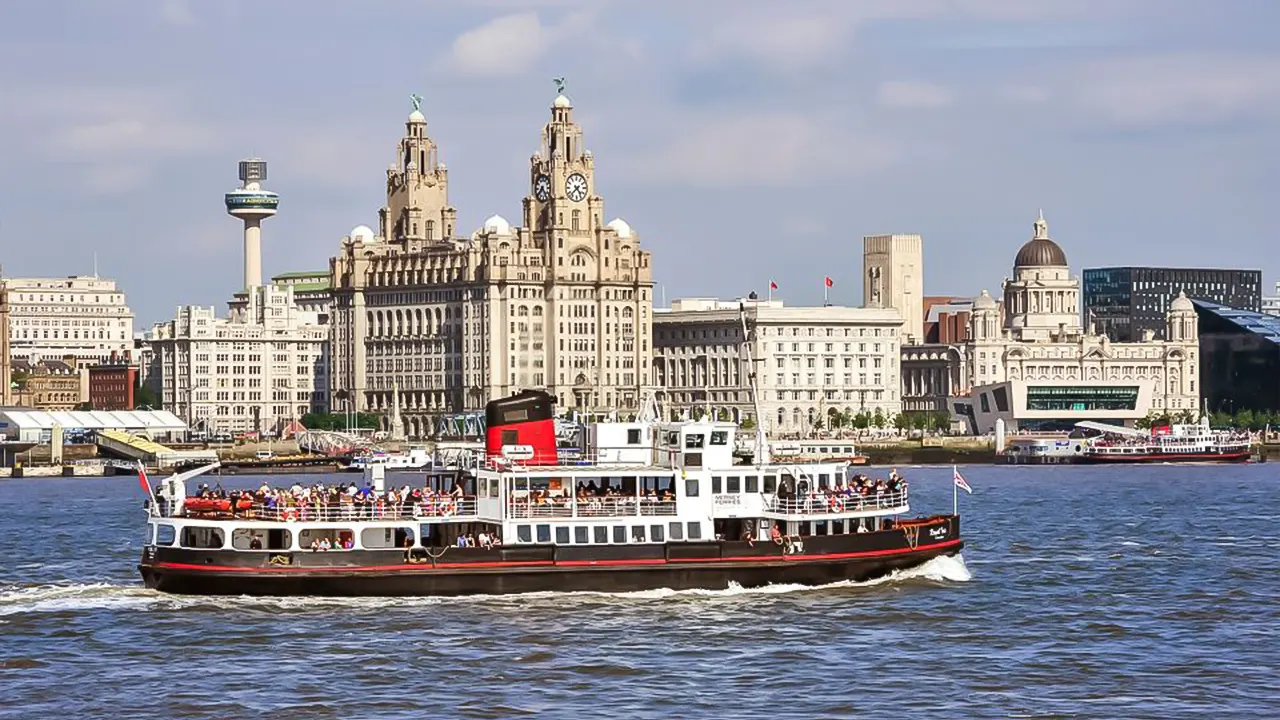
[(562, 302), (254, 371), (1033, 341), (82, 316), (811, 361)]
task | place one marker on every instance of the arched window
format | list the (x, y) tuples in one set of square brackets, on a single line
[(782, 417)]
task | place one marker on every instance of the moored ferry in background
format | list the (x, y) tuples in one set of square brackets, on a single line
[(1109, 444), (415, 458), (818, 450), (641, 506)]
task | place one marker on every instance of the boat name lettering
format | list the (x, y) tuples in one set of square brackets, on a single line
[(517, 452), (937, 533), (728, 500)]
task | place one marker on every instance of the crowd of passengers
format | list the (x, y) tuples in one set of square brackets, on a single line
[(591, 495), (341, 501), (858, 492)]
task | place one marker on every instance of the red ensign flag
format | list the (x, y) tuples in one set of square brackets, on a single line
[(773, 285), (829, 282)]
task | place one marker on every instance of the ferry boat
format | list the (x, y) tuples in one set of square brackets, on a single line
[(819, 450), (415, 459), (646, 506), (1109, 444)]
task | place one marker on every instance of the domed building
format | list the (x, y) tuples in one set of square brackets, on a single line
[(1031, 362)]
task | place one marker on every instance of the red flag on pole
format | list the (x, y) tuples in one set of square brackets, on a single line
[(773, 285), (142, 479), (829, 282)]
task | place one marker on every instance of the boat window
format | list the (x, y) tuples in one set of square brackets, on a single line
[(823, 480), (544, 533), (493, 488), (693, 460), (691, 488), (837, 527), (580, 535), (339, 538), (716, 485), (510, 437), (673, 439), (675, 530), (753, 484), (695, 530), (770, 484), (380, 538), (720, 437), (562, 535), (256, 539), (165, 534), (820, 527), (620, 534), (848, 449), (204, 538), (733, 485), (694, 441), (637, 533), (633, 436), (656, 533), (524, 533)]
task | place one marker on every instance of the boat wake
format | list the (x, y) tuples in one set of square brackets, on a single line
[(81, 597)]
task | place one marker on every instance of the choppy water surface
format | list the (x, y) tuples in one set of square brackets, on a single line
[(1146, 592)]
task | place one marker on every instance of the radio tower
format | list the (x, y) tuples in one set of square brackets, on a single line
[(251, 204)]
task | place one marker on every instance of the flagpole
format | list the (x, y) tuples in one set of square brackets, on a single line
[(955, 492), (826, 290), (770, 291)]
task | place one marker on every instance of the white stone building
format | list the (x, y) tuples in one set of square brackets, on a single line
[(81, 316), (893, 277), (560, 303), (260, 368), (1030, 361), (812, 361)]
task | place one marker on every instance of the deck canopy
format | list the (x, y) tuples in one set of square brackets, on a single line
[(1113, 429)]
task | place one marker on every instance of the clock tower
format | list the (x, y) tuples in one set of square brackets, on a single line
[(562, 209)]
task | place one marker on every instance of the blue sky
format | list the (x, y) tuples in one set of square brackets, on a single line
[(742, 139)]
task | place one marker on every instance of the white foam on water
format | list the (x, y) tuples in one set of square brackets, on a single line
[(105, 596)]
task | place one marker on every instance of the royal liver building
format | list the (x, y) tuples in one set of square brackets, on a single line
[(561, 303)]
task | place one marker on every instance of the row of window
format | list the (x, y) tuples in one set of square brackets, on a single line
[(602, 535)]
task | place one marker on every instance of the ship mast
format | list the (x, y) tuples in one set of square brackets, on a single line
[(761, 454)]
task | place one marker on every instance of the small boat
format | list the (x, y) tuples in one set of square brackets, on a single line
[(1107, 444), (415, 459), (646, 506)]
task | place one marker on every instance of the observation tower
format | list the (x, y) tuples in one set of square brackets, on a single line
[(251, 204)]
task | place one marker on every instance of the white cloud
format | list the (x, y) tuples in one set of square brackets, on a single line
[(790, 40), (736, 150), (504, 46), (913, 94), (1158, 90), (177, 13)]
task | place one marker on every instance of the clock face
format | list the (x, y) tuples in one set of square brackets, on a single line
[(542, 188), (576, 187)]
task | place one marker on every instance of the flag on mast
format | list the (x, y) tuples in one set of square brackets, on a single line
[(826, 288), (829, 281), (773, 285), (959, 480)]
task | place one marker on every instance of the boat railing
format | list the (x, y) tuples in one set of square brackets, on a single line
[(445, 507), (594, 508), (836, 503)]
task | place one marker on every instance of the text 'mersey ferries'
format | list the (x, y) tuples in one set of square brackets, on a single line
[(636, 506)]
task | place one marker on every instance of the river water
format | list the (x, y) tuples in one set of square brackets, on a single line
[(1148, 592)]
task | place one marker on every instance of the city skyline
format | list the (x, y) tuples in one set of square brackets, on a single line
[(1140, 127)]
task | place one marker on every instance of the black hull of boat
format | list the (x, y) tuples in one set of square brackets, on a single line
[(525, 569)]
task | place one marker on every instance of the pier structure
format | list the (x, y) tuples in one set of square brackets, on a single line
[(252, 204)]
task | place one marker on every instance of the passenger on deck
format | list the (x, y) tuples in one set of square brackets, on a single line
[(255, 543)]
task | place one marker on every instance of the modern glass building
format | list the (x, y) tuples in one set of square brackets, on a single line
[(1239, 358), (1122, 302)]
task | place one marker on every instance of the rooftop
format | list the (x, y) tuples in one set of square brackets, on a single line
[(1266, 326)]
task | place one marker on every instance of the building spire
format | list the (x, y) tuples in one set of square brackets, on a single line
[(1041, 227)]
